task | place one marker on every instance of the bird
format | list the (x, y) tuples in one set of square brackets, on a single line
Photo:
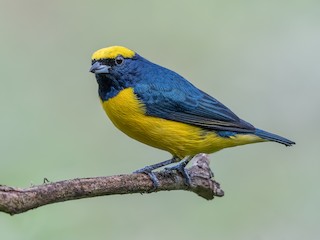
[(162, 109)]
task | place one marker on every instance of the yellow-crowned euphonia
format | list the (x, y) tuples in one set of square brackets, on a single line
[(160, 108)]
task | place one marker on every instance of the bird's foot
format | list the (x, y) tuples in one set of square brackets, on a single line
[(148, 170), (181, 168)]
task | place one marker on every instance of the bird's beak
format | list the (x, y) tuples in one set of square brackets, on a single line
[(97, 67)]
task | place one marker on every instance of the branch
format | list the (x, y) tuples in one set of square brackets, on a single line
[(17, 200)]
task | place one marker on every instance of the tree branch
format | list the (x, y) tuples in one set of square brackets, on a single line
[(17, 200)]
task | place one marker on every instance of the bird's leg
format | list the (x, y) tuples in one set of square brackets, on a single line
[(180, 167), (148, 170)]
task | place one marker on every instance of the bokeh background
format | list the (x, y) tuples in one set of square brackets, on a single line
[(260, 58)]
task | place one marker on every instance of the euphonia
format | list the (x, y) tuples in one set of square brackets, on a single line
[(160, 108)]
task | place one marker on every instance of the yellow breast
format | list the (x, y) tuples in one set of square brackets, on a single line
[(128, 114)]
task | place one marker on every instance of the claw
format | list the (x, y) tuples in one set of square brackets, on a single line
[(148, 170), (180, 167), (152, 176)]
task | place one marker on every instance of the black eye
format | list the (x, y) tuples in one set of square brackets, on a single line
[(119, 60)]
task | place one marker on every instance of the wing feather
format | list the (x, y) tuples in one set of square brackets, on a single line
[(168, 95)]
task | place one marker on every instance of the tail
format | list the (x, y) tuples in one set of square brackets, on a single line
[(273, 137)]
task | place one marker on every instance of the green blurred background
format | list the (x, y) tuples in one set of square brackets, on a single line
[(260, 58)]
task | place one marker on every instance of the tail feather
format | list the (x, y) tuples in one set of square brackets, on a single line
[(273, 137)]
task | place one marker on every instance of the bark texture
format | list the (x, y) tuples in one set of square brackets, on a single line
[(17, 200)]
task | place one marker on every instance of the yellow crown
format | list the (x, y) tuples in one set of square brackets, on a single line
[(112, 52)]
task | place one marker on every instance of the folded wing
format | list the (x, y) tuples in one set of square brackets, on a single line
[(173, 98)]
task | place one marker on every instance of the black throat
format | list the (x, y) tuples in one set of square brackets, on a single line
[(108, 86)]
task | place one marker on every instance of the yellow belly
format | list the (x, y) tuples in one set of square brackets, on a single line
[(128, 114)]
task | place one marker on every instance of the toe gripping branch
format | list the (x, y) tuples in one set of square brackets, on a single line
[(198, 178), (149, 171)]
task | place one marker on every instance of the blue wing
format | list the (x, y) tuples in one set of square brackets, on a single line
[(168, 95)]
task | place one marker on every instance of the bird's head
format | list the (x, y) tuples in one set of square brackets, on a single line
[(107, 60), (115, 68)]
